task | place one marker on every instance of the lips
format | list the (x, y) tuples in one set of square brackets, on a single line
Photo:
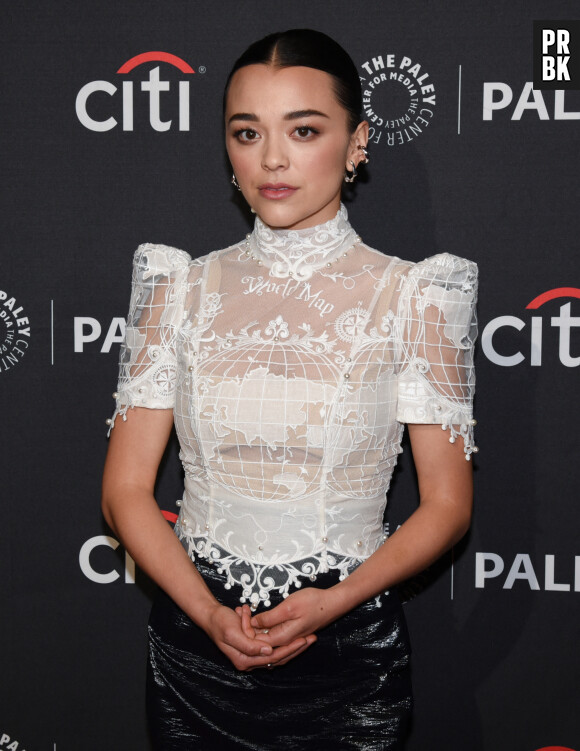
[(277, 191)]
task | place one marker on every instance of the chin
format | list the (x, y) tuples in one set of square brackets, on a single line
[(279, 217)]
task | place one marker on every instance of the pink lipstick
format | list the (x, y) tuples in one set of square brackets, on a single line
[(276, 191)]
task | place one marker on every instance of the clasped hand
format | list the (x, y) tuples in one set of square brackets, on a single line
[(274, 636)]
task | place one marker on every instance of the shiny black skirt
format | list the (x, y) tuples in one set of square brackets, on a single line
[(350, 690)]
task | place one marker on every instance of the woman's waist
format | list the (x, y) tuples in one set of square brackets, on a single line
[(264, 583), (280, 532)]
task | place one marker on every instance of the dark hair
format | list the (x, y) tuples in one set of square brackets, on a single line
[(311, 49)]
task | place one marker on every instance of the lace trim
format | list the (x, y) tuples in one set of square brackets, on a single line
[(299, 253), (258, 581)]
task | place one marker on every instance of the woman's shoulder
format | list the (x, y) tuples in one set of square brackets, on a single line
[(157, 258), (435, 266), (441, 267)]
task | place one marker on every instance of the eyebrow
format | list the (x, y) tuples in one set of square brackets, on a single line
[(295, 115)]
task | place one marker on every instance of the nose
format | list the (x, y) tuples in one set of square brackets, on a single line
[(274, 154)]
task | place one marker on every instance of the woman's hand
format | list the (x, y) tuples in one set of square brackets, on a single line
[(300, 615), (247, 647)]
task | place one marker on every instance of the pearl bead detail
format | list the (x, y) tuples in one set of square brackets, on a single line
[(108, 421), (248, 253), (115, 394), (325, 539)]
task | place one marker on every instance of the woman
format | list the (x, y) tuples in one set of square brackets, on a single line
[(289, 363)]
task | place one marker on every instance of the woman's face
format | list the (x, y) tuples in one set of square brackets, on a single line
[(288, 143)]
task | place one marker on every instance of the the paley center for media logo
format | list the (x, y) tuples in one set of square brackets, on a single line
[(399, 98)]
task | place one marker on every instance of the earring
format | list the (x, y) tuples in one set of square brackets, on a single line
[(234, 181), (350, 176), (366, 159)]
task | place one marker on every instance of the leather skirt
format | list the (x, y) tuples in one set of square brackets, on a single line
[(350, 690)]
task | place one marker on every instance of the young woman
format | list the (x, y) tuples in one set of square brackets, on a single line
[(289, 363)]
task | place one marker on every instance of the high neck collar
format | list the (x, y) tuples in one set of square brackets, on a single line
[(300, 252)]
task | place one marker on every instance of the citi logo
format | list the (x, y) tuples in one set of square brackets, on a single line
[(106, 569), (154, 88), (564, 322)]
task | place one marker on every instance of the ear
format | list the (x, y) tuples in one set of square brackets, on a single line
[(359, 138)]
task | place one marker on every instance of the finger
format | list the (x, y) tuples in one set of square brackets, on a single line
[(280, 653), (246, 625), (284, 633), (270, 618), (251, 647)]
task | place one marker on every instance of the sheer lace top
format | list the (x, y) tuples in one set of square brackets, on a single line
[(291, 361)]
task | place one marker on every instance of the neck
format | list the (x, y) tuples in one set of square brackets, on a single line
[(298, 253)]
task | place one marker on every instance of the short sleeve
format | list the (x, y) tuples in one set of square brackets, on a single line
[(147, 367), (437, 325)]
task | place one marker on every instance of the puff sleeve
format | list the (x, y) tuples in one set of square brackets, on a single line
[(437, 329), (147, 368)]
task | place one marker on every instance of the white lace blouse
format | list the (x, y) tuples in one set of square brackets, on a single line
[(291, 361)]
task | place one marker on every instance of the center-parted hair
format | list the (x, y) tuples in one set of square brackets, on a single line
[(311, 49)]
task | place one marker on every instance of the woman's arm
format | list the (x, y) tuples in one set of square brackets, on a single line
[(135, 451), (442, 518)]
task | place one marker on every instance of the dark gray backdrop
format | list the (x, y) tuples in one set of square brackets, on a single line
[(495, 651)]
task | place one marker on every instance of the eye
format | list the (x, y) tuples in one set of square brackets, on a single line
[(246, 135), (305, 132)]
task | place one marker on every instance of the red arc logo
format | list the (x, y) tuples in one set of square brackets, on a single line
[(537, 302), (155, 57)]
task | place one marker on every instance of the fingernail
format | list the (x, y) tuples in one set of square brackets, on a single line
[(266, 651)]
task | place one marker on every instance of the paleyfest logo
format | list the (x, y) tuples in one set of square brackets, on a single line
[(89, 101), (14, 332), (398, 99)]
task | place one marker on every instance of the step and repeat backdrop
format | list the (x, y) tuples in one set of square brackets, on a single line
[(111, 136)]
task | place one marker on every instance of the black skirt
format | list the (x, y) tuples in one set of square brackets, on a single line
[(350, 690)]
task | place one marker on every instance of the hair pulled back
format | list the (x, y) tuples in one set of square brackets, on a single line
[(311, 49)]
